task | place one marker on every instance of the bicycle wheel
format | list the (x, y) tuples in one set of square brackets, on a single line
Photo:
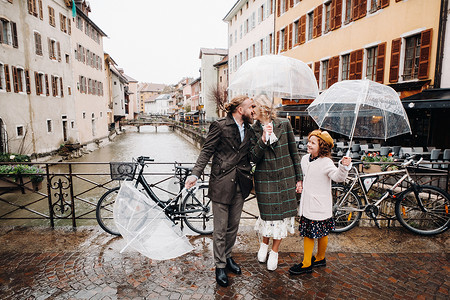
[(197, 211), (104, 211), (345, 212), (433, 219)]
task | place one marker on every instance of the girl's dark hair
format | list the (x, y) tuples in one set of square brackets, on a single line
[(234, 103), (324, 148)]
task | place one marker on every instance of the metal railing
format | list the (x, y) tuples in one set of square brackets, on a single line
[(69, 193)]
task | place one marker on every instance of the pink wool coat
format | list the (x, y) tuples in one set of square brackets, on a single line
[(316, 201)]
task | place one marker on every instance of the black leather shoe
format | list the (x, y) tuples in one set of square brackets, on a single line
[(233, 266), (221, 277), (318, 263), (298, 269)]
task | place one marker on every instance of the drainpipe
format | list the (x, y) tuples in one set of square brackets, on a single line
[(441, 44)]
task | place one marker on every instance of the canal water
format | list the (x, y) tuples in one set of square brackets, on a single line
[(162, 144)]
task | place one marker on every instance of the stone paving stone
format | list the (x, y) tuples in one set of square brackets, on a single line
[(100, 272)]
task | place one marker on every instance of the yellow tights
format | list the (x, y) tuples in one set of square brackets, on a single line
[(308, 246)]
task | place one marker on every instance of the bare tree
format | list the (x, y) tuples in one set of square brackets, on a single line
[(219, 95)]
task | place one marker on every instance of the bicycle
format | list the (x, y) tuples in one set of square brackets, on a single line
[(422, 209), (194, 209)]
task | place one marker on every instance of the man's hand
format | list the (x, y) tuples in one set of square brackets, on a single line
[(190, 181), (299, 187)]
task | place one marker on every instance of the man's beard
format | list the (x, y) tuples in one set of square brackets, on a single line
[(247, 119)]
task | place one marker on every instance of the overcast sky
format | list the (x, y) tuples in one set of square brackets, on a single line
[(159, 41)]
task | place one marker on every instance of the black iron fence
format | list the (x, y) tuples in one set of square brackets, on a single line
[(69, 192)]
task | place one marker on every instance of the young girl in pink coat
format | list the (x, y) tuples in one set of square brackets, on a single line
[(315, 211)]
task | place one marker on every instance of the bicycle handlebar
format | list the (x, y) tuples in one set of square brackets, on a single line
[(410, 160), (142, 159)]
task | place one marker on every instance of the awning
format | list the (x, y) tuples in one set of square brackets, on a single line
[(293, 110), (432, 98)]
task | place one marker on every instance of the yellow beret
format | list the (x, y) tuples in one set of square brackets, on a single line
[(324, 135)]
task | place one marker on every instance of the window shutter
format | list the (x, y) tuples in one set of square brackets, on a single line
[(15, 80), (335, 70), (285, 45), (279, 7), (330, 72), (291, 3), (58, 46), (332, 13), (355, 10), (69, 26), (317, 71), (277, 42), (337, 14), (290, 35), (62, 89), (1, 32), (359, 63), (36, 82), (380, 63), (424, 59), (384, 3), (15, 40), (27, 81), (47, 89), (7, 79), (41, 14), (395, 60), (319, 20), (352, 70), (49, 48), (314, 23), (30, 7), (302, 29), (362, 8)]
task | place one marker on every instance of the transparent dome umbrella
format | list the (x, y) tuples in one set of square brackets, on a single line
[(145, 227), (360, 108), (274, 76)]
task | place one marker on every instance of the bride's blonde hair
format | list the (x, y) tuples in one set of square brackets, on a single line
[(266, 105)]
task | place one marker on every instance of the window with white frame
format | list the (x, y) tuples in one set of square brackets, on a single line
[(282, 6), (327, 13), (324, 74), (55, 88), (235, 35), (246, 27), (253, 20), (412, 57), (5, 31), (240, 34), (310, 25), (295, 34), (20, 131), (52, 48), (38, 43), (18, 79), (39, 82), (374, 5), (371, 63), (347, 11), (345, 69), (49, 126)]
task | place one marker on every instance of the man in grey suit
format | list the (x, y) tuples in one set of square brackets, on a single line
[(228, 142)]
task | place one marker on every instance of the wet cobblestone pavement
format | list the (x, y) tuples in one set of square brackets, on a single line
[(86, 264)]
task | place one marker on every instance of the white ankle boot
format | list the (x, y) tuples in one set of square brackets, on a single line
[(262, 253), (272, 262)]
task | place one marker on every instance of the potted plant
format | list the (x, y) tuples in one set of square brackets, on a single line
[(26, 173), (373, 157)]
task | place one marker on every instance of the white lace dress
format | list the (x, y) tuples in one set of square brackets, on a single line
[(277, 230)]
